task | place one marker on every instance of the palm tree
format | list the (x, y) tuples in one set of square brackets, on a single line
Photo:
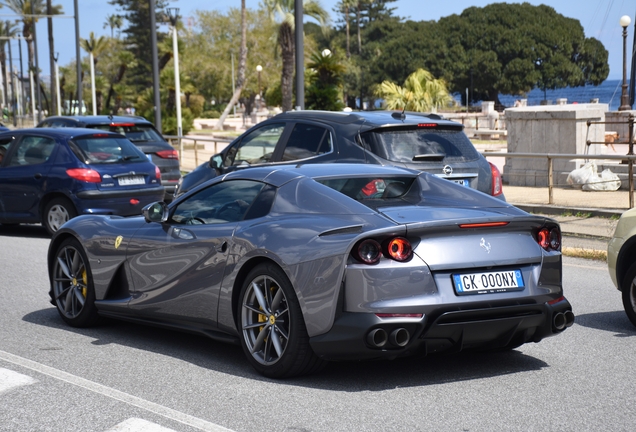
[(50, 11), (282, 12), (114, 22), (240, 80), (421, 92), (93, 47), (25, 10), (7, 29)]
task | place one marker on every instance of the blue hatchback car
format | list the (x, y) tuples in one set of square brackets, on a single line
[(49, 176)]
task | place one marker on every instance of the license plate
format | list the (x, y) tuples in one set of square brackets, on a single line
[(489, 282), (461, 182), (131, 180)]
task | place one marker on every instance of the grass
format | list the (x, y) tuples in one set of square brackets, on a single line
[(599, 255)]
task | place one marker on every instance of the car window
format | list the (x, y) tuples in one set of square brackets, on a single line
[(371, 188), (32, 150), (105, 149), (134, 132), (306, 141), (420, 145), (220, 203), (4, 148), (256, 147)]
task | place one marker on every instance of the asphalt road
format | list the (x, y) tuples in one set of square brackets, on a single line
[(122, 377)]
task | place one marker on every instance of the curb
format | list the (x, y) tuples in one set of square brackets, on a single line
[(558, 210)]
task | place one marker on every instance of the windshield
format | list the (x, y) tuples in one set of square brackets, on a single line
[(104, 150), (134, 132), (420, 145)]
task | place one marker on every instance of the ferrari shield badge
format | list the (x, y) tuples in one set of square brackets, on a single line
[(118, 241)]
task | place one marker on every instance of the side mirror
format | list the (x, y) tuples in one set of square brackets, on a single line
[(216, 161), (155, 212)]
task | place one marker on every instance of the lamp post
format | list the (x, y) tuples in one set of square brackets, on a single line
[(57, 84), (259, 69), (624, 22), (173, 14)]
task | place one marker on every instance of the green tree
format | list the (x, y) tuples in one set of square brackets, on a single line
[(114, 22), (282, 12), (8, 29), (421, 93), (137, 39), (325, 79), (512, 48)]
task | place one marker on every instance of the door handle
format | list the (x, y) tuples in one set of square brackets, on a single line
[(37, 176), (222, 247)]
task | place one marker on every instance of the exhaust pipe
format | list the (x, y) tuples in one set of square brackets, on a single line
[(559, 321), (399, 337), (569, 318), (377, 338)]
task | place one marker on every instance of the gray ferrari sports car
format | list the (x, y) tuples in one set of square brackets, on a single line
[(309, 263)]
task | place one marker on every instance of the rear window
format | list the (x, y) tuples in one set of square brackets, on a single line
[(420, 145), (134, 132), (371, 191), (104, 150)]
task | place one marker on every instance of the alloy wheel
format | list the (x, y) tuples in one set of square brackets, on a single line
[(70, 283)]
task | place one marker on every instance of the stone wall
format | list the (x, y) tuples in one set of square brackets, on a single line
[(550, 129)]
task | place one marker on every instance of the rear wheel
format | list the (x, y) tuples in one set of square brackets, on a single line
[(272, 329), (629, 293), (57, 212), (73, 290)]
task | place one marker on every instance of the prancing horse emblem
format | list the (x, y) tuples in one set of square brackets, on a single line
[(485, 245), (120, 238)]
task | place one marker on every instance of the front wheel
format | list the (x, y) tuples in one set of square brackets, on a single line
[(57, 213), (629, 293), (73, 290), (271, 326)]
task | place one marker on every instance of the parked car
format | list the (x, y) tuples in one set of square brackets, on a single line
[(304, 264), (621, 261), (425, 142), (138, 130), (49, 176)]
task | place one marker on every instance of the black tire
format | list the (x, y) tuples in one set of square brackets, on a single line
[(628, 288), (56, 213), (275, 342), (72, 285)]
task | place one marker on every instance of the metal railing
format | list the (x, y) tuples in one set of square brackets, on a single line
[(179, 140), (551, 156)]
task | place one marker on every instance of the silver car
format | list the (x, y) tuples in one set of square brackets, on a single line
[(310, 263)]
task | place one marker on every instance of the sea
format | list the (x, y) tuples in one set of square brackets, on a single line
[(609, 92)]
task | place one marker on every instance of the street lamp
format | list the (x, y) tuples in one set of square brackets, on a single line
[(259, 69), (624, 22), (173, 14)]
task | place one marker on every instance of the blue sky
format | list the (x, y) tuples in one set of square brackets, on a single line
[(600, 19)]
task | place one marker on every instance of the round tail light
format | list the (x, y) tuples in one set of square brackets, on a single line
[(399, 249), (368, 251)]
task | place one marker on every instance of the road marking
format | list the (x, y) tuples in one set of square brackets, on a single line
[(589, 267), (139, 425), (113, 393), (10, 379)]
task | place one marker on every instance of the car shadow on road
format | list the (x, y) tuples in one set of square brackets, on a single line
[(613, 321), (24, 230), (337, 376)]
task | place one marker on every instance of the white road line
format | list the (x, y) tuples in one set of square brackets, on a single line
[(113, 393), (589, 267), (10, 379), (139, 425)]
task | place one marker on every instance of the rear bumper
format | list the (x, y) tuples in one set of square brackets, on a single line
[(444, 331), (117, 194), (121, 203)]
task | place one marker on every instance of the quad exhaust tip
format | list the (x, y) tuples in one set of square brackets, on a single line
[(399, 337), (569, 318), (377, 338), (559, 321)]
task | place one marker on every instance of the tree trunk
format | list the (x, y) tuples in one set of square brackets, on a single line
[(49, 11), (242, 66), (348, 32), (3, 65), (287, 45), (358, 19)]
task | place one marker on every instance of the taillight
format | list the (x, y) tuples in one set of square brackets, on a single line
[(497, 188), (426, 125), (122, 124), (168, 154), (367, 251), (399, 249), (549, 239), (85, 175), (157, 173)]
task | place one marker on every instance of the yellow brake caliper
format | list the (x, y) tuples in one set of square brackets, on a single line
[(85, 280)]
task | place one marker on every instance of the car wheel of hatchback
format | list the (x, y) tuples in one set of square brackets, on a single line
[(57, 212), (273, 333), (629, 293)]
